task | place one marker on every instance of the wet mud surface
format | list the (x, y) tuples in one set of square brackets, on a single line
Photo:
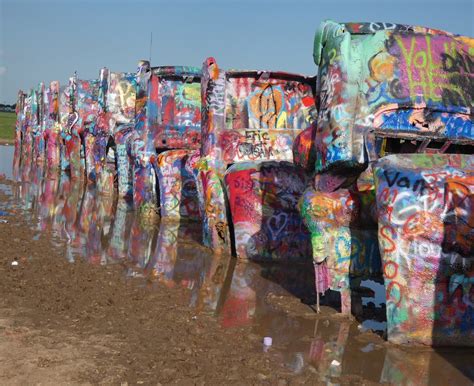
[(119, 329), (96, 295)]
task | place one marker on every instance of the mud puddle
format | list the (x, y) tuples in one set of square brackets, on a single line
[(6, 160), (246, 301)]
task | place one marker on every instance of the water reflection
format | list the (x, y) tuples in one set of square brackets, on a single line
[(6, 156), (104, 230)]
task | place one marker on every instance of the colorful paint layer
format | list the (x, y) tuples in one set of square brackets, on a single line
[(425, 208)]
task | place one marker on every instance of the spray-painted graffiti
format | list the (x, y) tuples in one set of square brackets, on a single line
[(121, 98), (178, 102), (19, 130), (178, 198), (431, 78), (72, 143), (102, 173), (38, 125), (254, 145), (172, 123), (142, 148), (424, 206), (262, 199), (379, 80), (53, 129), (459, 220), (406, 83), (26, 149), (247, 116), (258, 151), (344, 239), (88, 110)]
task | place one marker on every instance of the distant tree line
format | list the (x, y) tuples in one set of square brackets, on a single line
[(7, 108)]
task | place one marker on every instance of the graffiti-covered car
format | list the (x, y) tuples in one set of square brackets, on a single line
[(402, 82), (88, 110), (19, 125), (121, 98), (37, 127), (52, 129), (168, 126), (387, 89), (245, 175)]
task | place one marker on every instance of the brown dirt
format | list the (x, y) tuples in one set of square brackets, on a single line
[(67, 322)]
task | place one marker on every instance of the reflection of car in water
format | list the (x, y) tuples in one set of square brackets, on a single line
[(238, 294)]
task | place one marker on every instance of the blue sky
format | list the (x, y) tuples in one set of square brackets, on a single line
[(49, 40)]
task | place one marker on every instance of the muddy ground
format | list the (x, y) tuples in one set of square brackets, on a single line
[(144, 303), (67, 322)]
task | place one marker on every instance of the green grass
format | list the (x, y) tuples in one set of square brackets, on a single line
[(7, 125)]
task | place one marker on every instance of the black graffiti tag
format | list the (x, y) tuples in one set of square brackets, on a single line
[(404, 182)]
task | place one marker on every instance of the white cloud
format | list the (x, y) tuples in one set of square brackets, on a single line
[(3, 70)]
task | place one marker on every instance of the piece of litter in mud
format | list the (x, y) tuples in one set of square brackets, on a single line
[(368, 348), (298, 363), (15, 263), (335, 363), (36, 237), (194, 317), (267, 341), (2, 221), (3, 213)]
